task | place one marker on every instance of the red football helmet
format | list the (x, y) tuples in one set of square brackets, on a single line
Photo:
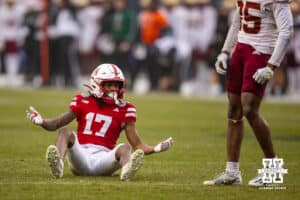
[(107, 73)]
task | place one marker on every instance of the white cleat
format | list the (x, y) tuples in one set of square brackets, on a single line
[(131, 167), (257, 181), (225, 178), (55, 163)]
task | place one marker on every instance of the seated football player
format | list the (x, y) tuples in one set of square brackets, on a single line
[(101, 115)]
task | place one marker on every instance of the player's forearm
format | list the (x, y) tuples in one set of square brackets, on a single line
[(59, 122), (232, 35), (279, 51), (146, 148), (137, 143), (51, 124), (160, 147), (284, 21)]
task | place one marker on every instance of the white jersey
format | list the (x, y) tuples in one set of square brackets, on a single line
[(257, 25), (10, 22), (89, 28), (266, 25), (191, 29)]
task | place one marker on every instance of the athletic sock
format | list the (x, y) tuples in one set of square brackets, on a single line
[(232, 168)]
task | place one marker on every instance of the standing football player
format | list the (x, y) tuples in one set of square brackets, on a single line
[(259, 37), (101, 115)]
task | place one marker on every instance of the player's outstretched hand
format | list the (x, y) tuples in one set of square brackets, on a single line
[(34, 116), (221, 63), (262, 75), (164, 145)]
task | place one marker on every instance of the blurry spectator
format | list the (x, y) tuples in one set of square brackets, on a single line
[(166, 45), (178, 18), (11, 35), (53, 44), (225, 12), (153, 24), (66, 31), (90, 16), (2, 68), (172, 41), (194, 26), (293, 56), (118, 33), (32, 23), (203, 36), (133, 5)]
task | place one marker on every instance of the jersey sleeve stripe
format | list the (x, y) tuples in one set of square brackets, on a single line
[(130, 115), (131, 110), (85, 101)]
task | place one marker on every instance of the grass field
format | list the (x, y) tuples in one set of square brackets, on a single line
[(198, 127)]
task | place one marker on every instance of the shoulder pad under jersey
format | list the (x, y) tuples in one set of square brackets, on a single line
[(265, 3), (85, 94)]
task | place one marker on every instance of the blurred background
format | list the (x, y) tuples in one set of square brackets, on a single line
[(161, 45)]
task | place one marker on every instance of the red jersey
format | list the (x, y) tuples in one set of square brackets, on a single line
[(100, 123)]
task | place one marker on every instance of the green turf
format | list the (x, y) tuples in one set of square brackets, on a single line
[(198, 127)]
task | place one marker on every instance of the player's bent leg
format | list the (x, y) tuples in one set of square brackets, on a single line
[(225, 178), (105, 162), (78, 158), (123, 153), (65, 140), (132, 166), (55, 163), (55, 153)]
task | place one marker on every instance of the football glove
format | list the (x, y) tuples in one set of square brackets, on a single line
[(262, 75), (164, 145), (221, 63), (34, 116)]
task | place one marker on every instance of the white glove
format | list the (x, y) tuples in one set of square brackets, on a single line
[(164, 145), (34, 116), (221, 63), (262, 75)]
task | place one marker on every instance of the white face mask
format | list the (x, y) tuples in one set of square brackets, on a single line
[(114, 96)]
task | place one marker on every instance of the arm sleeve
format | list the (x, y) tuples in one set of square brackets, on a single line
[(232, 35), (284, 22)]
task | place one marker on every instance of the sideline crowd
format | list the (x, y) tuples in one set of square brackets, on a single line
[(160, 45)]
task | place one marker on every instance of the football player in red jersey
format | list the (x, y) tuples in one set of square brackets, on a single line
[(258, 37), (101, 115)]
